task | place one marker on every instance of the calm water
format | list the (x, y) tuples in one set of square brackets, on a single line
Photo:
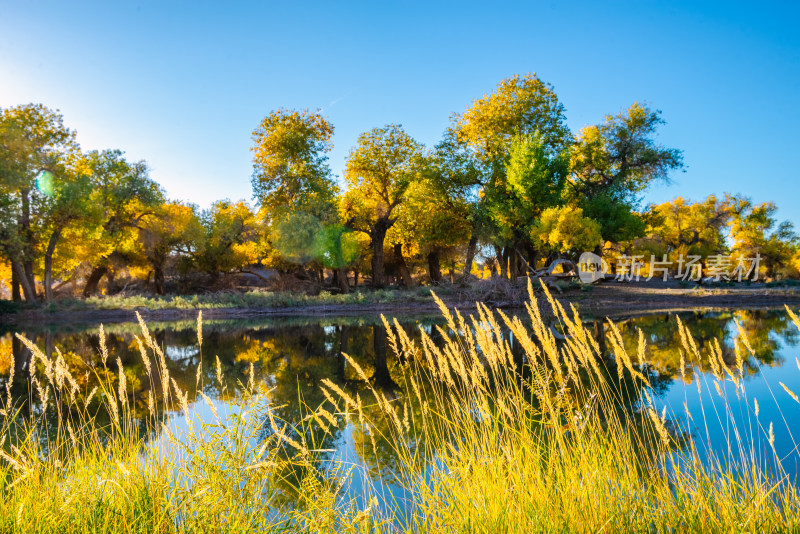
[(291, 354)]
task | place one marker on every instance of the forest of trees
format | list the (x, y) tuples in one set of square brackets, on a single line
[(508, 184)]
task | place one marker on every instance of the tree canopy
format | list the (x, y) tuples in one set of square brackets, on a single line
[(508, 183)]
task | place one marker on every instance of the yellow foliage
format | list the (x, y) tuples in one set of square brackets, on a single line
[(566, 229), (5, 275), (6, 354)]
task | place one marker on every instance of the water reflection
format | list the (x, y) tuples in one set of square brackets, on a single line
[(292, 358)]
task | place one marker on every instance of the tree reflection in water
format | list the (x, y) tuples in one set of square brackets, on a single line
[(292, 358)]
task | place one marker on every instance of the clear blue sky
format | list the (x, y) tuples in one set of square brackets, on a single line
[(183, 85)]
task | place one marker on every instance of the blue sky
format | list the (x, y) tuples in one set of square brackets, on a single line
[(183, 85)]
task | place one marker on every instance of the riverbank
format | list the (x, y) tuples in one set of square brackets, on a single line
[(611, 299)]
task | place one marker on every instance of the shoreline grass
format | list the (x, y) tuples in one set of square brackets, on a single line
[(480, 442), (246, 299)]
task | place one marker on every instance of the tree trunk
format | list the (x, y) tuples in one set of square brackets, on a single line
[(158, 278), (93, 281), (434, 267), (502, 259), (22, 360), (27, 290), (28, 268), (402, 268), (15, 294), (27, 243), (48, 264), (111, 284), (600, 336), (471, 248), (531, 256), (355, 277), (378, 235), (517, 268), (381, 378), (341, 274)]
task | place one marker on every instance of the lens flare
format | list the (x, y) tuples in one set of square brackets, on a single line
[(45, 182)]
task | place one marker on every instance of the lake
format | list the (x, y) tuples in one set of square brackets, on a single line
[(289, 358)]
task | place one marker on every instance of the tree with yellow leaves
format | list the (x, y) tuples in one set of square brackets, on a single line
[(566, 230), (228, 241), (754, 229), (123, 199), (689, 228), (379, 171), (175, 229)]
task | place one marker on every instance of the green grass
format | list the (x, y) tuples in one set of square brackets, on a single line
[(248, 299), (562, 445)]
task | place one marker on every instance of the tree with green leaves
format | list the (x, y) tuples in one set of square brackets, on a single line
[(379, 171), (456, 177), (175, 229), (293, 183), (612, 165), (34, 143), (533, 182), (502, 126)]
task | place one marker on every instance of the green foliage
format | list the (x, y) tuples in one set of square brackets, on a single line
[(618, 222), (436, 212), (534, 182), (613, 163), (335, 246), (620, 157), (294, 235), (36, 149)]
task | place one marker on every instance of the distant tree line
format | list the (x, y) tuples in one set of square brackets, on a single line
[(508, 182)]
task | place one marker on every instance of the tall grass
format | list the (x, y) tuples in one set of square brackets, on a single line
[(141, 471), (480, 440)]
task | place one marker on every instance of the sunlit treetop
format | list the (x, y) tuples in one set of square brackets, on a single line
[(519, 105), (621, 157), (689, 228), (32, 139), (290, 169), (380, 169)]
